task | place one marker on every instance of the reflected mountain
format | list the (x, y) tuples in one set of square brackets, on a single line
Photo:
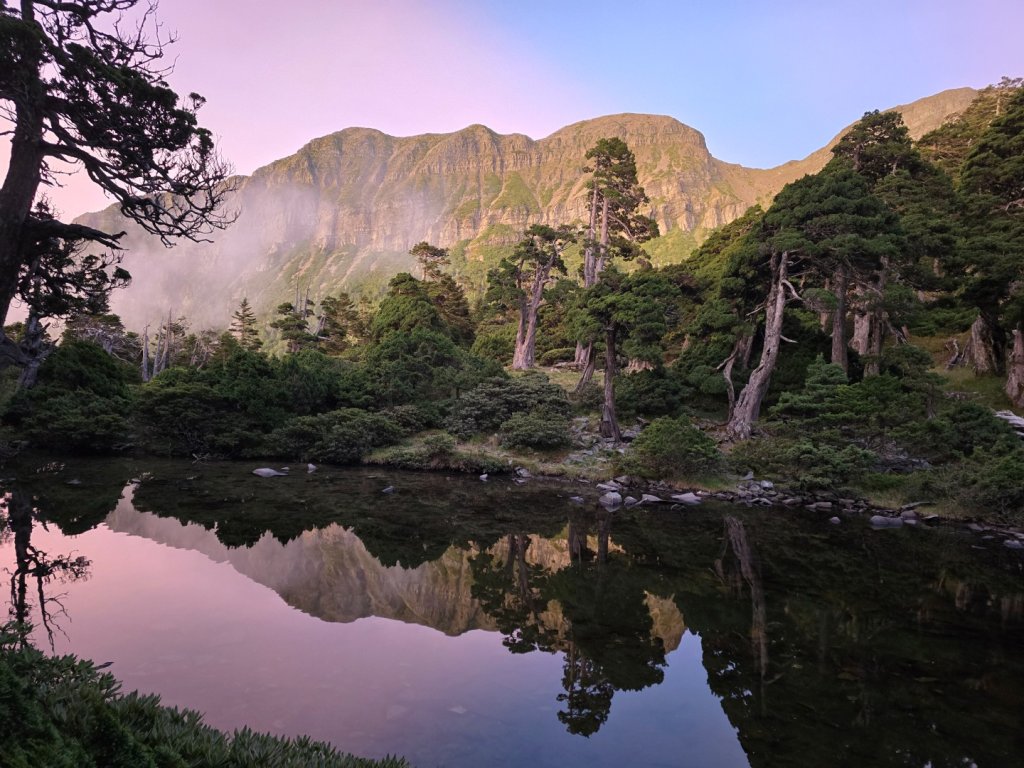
[(826, 645)]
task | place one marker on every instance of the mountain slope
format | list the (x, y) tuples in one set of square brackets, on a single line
[(344, 210)]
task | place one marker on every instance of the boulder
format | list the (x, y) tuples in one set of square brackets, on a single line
[(611, 499), (611, 485), (630, 501), (649, 498)]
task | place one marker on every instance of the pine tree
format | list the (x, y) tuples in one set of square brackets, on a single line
[(243, 327)]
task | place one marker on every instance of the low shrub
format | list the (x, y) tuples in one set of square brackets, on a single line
[(337, 437), (537, 429), (494, 401), (671, 448)]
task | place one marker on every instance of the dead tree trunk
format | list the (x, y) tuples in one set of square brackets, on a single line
[(1015, 370), (583, 351), (748, 404), (588, 370), (839, 354), (35, 349), (609, 423), (145, 354), (529, 308), (981, 349)]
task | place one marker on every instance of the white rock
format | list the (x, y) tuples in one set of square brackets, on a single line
[(268, 472)]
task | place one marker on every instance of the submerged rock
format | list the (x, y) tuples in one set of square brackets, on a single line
[(881, 521), (689, 497), (611, 499), (835, 520)]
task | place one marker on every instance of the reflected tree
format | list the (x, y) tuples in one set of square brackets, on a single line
[(34, 569)]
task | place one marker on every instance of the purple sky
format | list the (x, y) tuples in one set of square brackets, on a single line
[(765, 82)]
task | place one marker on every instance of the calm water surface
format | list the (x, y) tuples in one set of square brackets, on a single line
[(463, 623)]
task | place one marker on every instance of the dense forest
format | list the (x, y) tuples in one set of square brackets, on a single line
[(858, 334)]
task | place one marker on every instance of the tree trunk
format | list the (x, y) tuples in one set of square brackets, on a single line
[(1015, 370), (35, 351), (981, 349), (861, 340), (16, 196), (748, 404), (588, 370), (609, 424), (145, 354), (839, 355), (584, 352), (526, 336), (873, 364)]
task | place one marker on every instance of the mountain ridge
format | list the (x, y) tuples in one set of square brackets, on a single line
[(343, 210)]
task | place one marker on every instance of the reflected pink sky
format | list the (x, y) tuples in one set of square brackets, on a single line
[(205, 637)]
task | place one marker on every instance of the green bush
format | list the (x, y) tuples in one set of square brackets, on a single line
[(495, 342), (338, 437), (537, 429), (80, 402), (648, 393), (671, 448), (493, 402), (557, 355)]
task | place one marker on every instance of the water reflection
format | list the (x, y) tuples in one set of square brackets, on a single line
[(35, 572), (823, 645)]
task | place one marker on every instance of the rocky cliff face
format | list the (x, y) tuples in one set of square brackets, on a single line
[(343, 211)]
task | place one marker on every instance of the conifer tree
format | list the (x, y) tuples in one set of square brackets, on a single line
[(243, 327)]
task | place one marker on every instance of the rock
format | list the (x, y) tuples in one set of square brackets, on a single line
[(975, 527), (311, 468), (268, 472), (611, 499), (389, 489), (609, 486), (649, 498), (484, 477), (835, 520), (630, 501), (792, 501), (622, 479), (518, 481), (576, 499), (523, 472), (931, 519), (767, 485), (1013, 544), (908, 514), (76, 481), (686, 498), (821, 506), (748, 476), (881, 521)]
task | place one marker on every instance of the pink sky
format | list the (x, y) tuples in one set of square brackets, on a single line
[(765, 83)]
